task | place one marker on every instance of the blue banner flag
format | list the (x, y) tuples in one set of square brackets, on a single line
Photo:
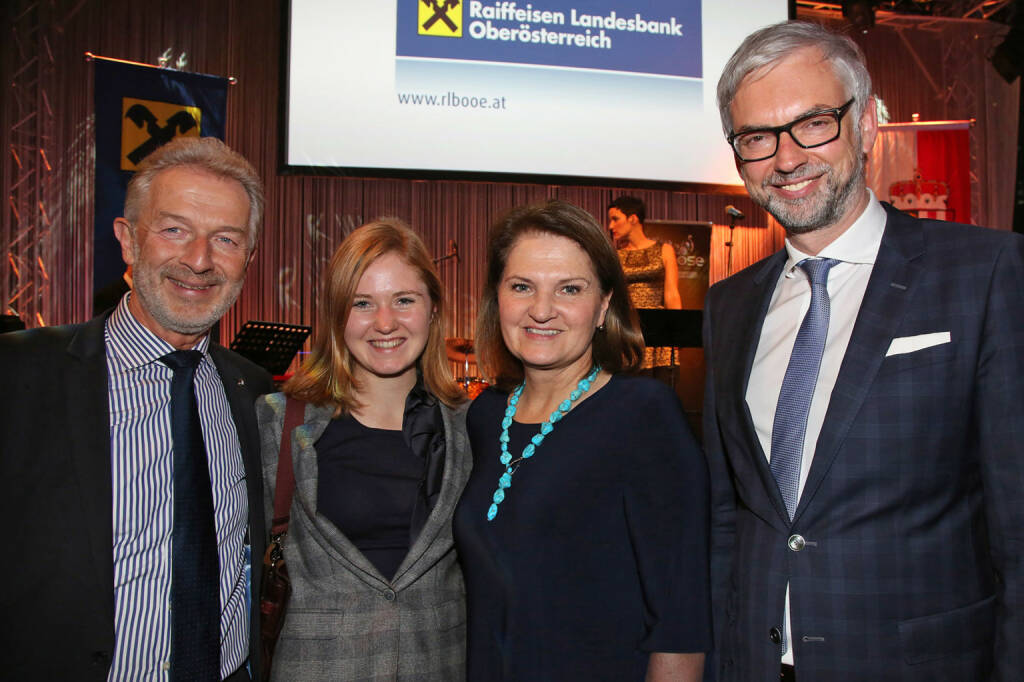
[(138, 109)]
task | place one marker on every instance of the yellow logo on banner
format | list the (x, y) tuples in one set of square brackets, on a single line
[(440, 18), (147, 125)]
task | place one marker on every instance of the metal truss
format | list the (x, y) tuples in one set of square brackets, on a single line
[(35, 283), (961, 95), (983, 10), (27, 222)]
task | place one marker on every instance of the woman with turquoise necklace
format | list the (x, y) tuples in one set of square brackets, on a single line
[(582, 531)]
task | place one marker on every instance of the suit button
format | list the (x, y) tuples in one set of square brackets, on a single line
[(100, 658), (775, 635), (796, 542), (389, 594)]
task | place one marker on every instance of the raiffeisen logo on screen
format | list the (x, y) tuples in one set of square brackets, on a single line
[(506, 11), (654, 37), (439, 18)]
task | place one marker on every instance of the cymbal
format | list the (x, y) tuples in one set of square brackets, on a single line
[(459, 349)]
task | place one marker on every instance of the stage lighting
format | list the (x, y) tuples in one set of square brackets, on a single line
[(860, 13)]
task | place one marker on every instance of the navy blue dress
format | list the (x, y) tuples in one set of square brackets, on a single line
[(599, 553)]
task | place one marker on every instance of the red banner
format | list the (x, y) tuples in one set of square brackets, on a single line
[(924, 169)]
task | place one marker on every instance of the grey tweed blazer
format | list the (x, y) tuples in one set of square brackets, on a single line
[(345, 621)]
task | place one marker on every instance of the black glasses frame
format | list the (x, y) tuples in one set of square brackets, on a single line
[(838, 112)]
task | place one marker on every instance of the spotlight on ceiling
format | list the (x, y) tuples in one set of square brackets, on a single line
[(860, 13)]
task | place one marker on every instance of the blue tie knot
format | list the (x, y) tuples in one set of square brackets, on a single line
[(817, 268), (182, 360)]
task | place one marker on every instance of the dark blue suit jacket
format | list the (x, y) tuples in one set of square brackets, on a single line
[(56, 506), (913, 509)]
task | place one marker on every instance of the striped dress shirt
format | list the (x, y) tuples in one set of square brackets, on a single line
[(141, 461)]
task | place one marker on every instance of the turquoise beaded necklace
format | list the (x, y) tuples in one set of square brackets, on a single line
[(505, 481)]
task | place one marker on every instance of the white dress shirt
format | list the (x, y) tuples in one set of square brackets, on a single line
[(856, 248)]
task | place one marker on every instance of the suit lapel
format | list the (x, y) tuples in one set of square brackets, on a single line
[(456, 471), (304, 462), (890, 287), (86, 405), (241, 401), (748, 335)]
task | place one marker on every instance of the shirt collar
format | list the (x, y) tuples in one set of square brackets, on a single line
[(858, 244), (133, 344)]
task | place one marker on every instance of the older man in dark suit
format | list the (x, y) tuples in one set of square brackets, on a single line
[(130, 453), (865, 404)]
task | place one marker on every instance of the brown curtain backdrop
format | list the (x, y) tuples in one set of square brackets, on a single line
[(46, 229)]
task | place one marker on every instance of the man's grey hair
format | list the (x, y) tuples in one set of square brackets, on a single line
[(202, 153), (770, 45)]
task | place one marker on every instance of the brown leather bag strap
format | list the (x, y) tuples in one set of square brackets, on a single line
[(285, 486)]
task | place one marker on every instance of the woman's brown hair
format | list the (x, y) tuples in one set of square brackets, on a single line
[(326, 377), (617, 348)]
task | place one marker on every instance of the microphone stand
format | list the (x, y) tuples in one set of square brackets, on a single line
[(728, 244), (734, 214)]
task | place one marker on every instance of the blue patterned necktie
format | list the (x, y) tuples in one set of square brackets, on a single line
[(790, 426), (195, 595)]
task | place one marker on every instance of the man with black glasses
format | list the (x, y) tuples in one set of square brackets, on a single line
[(864, 410)]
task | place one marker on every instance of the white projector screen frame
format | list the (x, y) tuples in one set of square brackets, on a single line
[(605, 103)]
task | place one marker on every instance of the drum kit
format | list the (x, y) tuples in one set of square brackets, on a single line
[(460, 351)]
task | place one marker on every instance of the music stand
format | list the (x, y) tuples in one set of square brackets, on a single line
[(271, 345), (671, 328)]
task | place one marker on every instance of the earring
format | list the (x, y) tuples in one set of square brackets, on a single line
[(601, 327)]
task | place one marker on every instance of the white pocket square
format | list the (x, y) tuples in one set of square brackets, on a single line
[(909, 344)]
